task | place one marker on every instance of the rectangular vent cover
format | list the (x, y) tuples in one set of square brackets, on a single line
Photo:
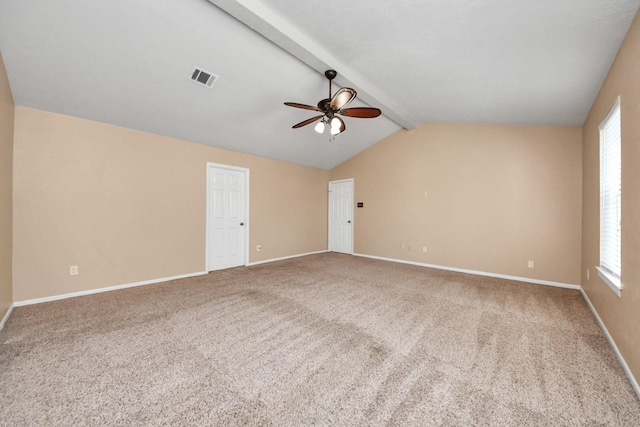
[(203, 77)]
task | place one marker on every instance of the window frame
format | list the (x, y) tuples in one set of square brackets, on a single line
[(610, 277)]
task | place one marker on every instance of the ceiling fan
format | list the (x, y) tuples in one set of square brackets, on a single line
[(332, 107)]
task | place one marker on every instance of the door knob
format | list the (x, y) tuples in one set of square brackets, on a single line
[(242, 223), (349, 222)]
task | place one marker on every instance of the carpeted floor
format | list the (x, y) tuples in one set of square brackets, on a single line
[(321, 340)]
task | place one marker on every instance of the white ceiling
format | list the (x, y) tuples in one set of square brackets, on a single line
[(127, 63)]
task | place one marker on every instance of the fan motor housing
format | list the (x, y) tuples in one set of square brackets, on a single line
[(324, 104)]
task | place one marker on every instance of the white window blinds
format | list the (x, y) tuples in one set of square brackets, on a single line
[(610, 192)]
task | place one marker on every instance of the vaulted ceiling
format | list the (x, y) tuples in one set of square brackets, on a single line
[(128, 63)]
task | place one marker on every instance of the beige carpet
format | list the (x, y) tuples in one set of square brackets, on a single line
[(321, 340)]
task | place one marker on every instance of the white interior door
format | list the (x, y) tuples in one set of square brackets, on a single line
[(226, 216), (341, 216)]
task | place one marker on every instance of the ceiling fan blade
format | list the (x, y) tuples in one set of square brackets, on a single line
[(303, 106), (342, 98), (361, 112), (308, 121)]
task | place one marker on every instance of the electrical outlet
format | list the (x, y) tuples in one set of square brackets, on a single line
[(73, 270), (530, 264), (424, 249), (259, 248), (426, 193), (403, 245)]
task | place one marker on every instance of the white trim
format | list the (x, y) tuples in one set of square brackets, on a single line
[(6, 316), (611, 280), (353, 211), (107, 289), (625, 367), (286, 257), (477, 273), (247, 223)]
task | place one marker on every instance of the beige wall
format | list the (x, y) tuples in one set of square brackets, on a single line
[(620, 315), (497, 196), (6, 193), (128, 206)]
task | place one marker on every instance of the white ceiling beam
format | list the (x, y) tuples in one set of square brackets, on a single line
[(273, 27)]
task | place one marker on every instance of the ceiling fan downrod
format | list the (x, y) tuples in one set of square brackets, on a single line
[(330, 75)]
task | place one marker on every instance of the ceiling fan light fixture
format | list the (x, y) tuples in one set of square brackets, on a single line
[(335, 123), (319, 127), (336, 126)]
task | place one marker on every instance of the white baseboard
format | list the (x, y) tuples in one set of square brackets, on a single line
[(285, 257), (634, 382), (6, 317), (477, 273), (107, 289)]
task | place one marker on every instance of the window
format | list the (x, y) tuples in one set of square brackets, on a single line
[(610, 199)]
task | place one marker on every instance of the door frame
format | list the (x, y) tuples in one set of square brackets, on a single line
[(208, 209), (353, 211)]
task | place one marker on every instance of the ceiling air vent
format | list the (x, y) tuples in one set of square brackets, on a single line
[(203, 77)]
